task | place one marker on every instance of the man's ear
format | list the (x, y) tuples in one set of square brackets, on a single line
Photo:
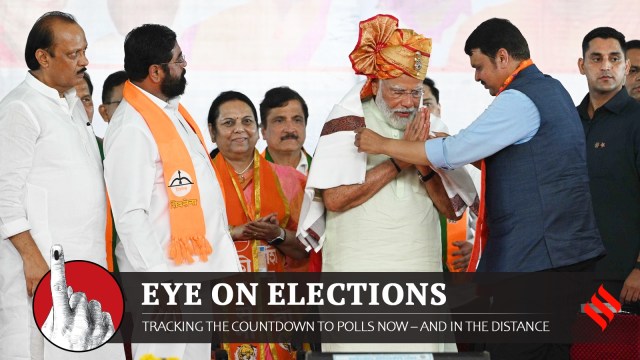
[(102, 109), (581, 65), (43, 57), (502, 58), (156, 73)]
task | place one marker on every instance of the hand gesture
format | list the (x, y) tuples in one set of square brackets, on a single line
[(418, 129), (73, 323), (265, 228), (271, 218), (368, 141)]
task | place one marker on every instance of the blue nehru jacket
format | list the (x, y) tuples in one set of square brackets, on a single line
[(538, 204)]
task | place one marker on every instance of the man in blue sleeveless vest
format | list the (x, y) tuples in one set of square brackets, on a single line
[(535, 184), (538, 206)]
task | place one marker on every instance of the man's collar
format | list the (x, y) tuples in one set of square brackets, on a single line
[(303, 164), (615, 104), (583, 109), (618, 102), (48, 91), (171, 103)]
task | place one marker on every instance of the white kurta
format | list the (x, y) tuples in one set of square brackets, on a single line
[(135, 180), (51, 184), (396, 230)]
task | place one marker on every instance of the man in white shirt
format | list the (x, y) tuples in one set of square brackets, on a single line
[(384, 219), (52, 187), (161, 194)]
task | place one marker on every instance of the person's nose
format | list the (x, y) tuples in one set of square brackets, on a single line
[(407, 100), (83, 61), (289, 127), (239, 128)]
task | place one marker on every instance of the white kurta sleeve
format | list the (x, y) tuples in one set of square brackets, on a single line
[(18, 136), (129, 170)]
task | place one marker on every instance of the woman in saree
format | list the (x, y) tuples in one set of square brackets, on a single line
[(263, 201)]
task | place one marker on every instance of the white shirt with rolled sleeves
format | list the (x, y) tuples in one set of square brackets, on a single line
[(51, 184), (135, 179)]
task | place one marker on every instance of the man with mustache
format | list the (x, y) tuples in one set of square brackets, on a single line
[(167, 203), (284, 114), (633, 78), (611, 121), (283, 120), (52, 187), (381, 213)]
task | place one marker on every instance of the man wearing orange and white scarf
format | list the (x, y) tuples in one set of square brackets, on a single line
[(167, 203)]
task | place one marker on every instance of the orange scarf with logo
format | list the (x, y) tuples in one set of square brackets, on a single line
[(482, 231), (185, 208)]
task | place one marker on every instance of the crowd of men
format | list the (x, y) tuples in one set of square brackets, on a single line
[(372, 200)]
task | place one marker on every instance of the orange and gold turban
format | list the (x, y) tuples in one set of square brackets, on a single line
[(384, 52)]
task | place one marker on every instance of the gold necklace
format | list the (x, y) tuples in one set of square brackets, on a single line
[(241, 173)]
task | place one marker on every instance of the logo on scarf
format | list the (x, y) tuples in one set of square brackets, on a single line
[(180, 183), (605, 311)]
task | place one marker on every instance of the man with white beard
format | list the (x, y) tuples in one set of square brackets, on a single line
[(388, 221)]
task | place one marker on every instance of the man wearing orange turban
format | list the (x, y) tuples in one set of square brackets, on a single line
[(385, 52), (380, 214)]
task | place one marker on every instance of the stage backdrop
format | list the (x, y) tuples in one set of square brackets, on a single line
[(254, 45)]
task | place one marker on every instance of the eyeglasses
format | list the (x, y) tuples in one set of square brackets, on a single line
[(397, 94), (180, 61)]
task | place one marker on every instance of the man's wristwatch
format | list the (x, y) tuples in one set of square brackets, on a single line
[(278, 239), (425, 178)]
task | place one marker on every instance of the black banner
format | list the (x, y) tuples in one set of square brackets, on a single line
[(358, 307)]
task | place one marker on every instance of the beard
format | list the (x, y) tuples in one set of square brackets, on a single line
[(172, 87), (396, 122)]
